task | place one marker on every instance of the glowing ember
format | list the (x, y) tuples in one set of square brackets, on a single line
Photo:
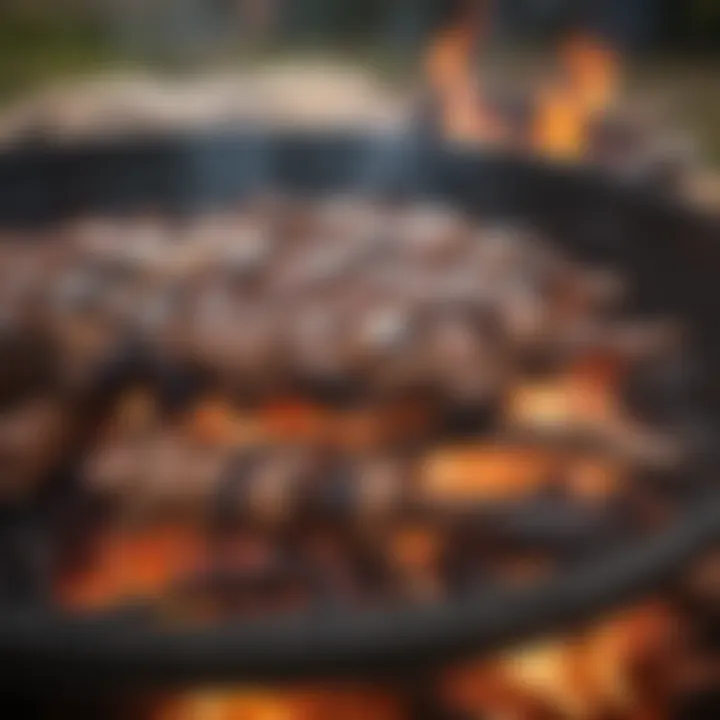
[(485, 473), (132, 563), (588, 675), (216, 421), (308, 704), (585, 395)]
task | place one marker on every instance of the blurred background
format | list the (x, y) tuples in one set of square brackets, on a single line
[(670, 48)]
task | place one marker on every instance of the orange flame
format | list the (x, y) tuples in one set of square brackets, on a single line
[(588, 675), (565, 111), (449, 65), (130, 564), (594, 72), (293, 704)]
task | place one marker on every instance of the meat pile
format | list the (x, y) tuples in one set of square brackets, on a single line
[(302, 384)]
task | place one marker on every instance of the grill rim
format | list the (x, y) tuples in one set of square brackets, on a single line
[(39, 646)]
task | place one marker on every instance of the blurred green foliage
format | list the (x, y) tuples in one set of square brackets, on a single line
[(41, 40), (39, 46)]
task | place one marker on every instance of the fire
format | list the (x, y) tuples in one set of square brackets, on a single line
[(593, 72), (219, 423), (293, 704), (131, 563), (489, 473), (586, 395), (559, 127), (564, 110), (134, 561), (464, 115), (584, 676), (587, 675)]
